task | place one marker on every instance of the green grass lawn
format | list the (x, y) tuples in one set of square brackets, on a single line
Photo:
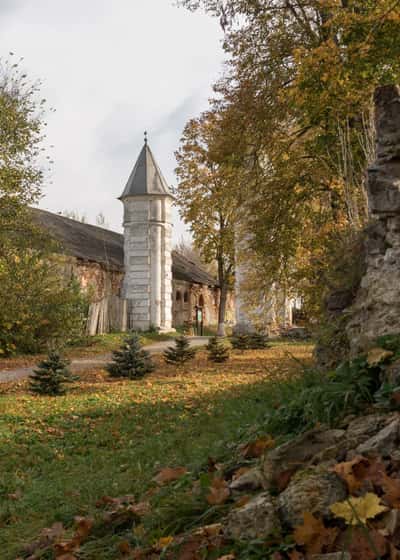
[(58, 456)]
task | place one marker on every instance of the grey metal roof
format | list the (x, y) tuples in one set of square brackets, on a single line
[(146, 177), (95, 244)]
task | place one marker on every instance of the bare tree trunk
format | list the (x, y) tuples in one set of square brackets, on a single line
[(222, 310)]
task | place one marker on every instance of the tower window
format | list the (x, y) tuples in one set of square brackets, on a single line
[(186, 297), (178, 296), (201, 301)]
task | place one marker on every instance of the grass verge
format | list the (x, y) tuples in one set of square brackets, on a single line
[(58, 456)]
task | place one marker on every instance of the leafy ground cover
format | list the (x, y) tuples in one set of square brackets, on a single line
[(59, 456)]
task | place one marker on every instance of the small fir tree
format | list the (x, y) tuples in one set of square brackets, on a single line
[(180, 353), (240, 342), (217, 350), (257, 341), (50, 376), (131, 360)]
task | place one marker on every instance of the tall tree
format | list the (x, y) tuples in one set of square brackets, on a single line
[(298, 89), (35, 306), (206, 182)]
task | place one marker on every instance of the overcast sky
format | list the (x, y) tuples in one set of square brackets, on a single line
[(111, 69)]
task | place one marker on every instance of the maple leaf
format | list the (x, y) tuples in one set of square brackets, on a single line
[(125, 548), (256, 448), (295, 555), (358, 510), (378, 355), (83, 527), (164, 542), (391, 487), (352, 472), (218, 492), (313, 534), (169, 475)]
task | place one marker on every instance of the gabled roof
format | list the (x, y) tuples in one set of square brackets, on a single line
[(146, 177), (95, 244)]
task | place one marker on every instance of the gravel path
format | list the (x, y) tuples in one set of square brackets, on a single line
[(80, 364)]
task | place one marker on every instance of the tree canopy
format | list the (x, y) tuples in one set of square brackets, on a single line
[(295, 103)]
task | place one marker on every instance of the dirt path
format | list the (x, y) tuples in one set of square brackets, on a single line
[(100, 361)]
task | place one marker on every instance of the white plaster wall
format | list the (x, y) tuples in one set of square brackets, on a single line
[(148, 264)]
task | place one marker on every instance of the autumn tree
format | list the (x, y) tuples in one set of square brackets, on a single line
[(297, 92), (206, 183), (35, 306)]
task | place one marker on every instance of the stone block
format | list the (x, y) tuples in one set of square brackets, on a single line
[(138, 260)]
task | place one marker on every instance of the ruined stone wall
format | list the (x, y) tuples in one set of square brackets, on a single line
[(376, 310), (187, 296), (96, 281)]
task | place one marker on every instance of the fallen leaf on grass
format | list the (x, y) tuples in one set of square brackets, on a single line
[(391, 487), (358, 510), (169, 475), (240, 472), (218, 492), (255, 449), (313, 535), (164, 542), (209, 530), (83, 527), (124, 547)]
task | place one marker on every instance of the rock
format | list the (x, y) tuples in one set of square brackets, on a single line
[(332, 556), (256, 520), (391, 374), (363, 428), (376, 309), (250, 480), (383, 443), (312, 490), (295, 454)]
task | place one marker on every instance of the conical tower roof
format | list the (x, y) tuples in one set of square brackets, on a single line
[(146, 177)]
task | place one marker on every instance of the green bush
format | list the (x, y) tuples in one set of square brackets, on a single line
[(37, 306), (131, 360)]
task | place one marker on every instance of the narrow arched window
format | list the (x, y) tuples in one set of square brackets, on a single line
[(201, 301), (178, 296), (186, 297)]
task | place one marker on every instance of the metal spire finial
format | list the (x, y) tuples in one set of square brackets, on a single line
[(145, 137)]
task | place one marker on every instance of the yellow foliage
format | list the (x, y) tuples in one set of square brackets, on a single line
[(358, 510)]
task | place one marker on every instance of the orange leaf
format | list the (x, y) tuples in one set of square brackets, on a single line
[(169, 475), (352, 472), (124, 547), (314, 536), (219, 492), (83, 527), (295, 555), (256, 448)]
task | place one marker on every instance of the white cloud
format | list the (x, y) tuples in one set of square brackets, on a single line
[(111, 70)]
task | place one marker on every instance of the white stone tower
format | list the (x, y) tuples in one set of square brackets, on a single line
[(147, 284)]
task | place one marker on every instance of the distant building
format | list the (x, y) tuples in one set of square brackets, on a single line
[(136, 280)]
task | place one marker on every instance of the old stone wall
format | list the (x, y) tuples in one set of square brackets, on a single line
[(376, 310), (187, 296)]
